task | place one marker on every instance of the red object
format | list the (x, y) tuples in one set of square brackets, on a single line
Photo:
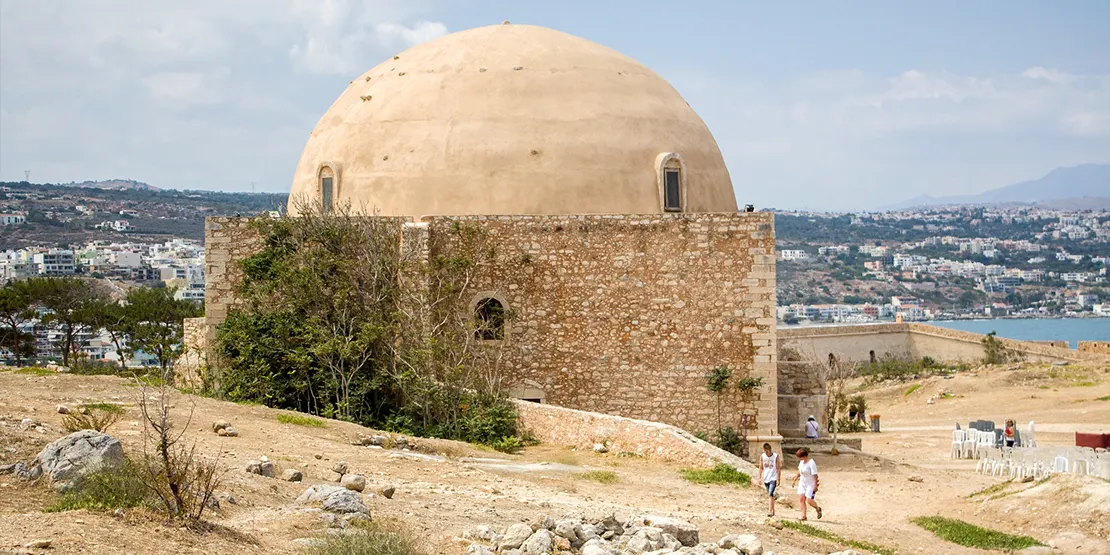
[(1093, 441)]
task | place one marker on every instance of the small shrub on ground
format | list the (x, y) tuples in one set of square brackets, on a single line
[(720, 474), (86, 367), (106, 407), (995, 352), (729, 440), (846, 425), (508, 444), (375, 538), (300, 420), (600, 476), (991, 490), (35, 371), (970, 535), (96, 418), (819, 533), (107, 488), (1103, 398), (911, 389)]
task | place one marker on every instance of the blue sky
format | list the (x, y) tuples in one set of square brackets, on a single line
[(828, 105)]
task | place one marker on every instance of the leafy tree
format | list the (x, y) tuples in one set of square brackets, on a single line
[(716, 382), (16, 310), (116, 320), (71, 304), (154, 321)]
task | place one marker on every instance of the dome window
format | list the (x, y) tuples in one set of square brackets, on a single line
[(672, 182), (328, 176), (489, 319)]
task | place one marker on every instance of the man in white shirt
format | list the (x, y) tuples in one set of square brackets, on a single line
[(807, 482), (811, 428), (771, 464)]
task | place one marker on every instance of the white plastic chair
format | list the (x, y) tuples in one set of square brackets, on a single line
[(985, 444), (1060, 464), (957, 443), (968, 447), (1030, 440)]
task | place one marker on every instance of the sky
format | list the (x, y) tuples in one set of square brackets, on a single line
[(816, 105)]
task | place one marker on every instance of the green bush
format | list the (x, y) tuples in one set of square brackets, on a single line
[(600, 476), (729, 440), (508, 444), (825, 535), (970, 535), (107, 488), (87, 367), (97, 418), (720, 474), (369, 539), (300, 420), (847, 425)]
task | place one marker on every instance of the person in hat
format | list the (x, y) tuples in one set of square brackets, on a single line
[(811, 428)]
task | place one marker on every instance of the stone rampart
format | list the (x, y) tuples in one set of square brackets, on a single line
[(189, 368), (582, 430), (1097, 347)]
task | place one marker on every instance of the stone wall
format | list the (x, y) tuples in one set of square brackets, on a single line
[(857, 343), (626, 315), (802, 393), (1097, 347), (189, 368), (1057, 344), (618, 314), (582, 430)]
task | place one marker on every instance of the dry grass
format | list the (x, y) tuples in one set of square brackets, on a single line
[(301, 420)]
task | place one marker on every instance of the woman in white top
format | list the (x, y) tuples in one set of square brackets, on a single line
[(811, 428), (771, 464), (807, 482)]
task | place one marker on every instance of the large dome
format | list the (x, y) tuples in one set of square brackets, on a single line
[(513, 119)]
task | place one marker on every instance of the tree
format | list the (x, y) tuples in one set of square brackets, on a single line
[(716, 382), (71, 304), (115, 319), (16, 310), (155, 323), (836, 377)]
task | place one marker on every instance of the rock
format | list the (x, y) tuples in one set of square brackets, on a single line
[(376, 441), (560, 544), (228, 432), (645, 539), (78, 453), (317, 494), (776, 524), (318, 456), (62, 409), (670, 543), (542, 522), (746, 544), (516, 535), (310, 543), (340, 468), (611, 524), (478, 549), (356, 518), (27, 424), (266, 468), (220, 425), (586, 532), (38, 544), (353, 482), (343, 502), (401, 442), (538, 543), (600, 448), (483, 533), (848, 552), (229, 498), (292, 475), (916, 478), (566, 529), (709, 548), (596, 547), (387, 492), (253, 467), (685, 532)]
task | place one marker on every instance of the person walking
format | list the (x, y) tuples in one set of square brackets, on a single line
[(807, 482), (771, 464)]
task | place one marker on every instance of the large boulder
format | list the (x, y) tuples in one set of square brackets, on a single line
[(353, 482), (317, 493), (345, 502), (597, 547), (516, 535), (684, 531), (745, 544), (538, 543), (78, 453)]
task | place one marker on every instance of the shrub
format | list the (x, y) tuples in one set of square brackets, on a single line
[(97, 418), (369, 539), (749, 384), (301, 420), (35, 371), (508, 444), (825, 535), (729, 440), (970, 535), (846, 425), (911, 389), (995, 352), (107, 488), (600, 476), (87, 367), (720, 474)]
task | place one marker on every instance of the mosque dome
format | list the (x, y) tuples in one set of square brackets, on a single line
[(512, 119)]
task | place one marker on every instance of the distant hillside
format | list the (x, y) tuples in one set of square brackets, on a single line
[(114, 184), (1073, 184)]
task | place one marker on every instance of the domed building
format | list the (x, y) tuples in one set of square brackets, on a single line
[(512, 119), (621, 257)]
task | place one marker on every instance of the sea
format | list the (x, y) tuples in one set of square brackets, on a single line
[(1072, 330)]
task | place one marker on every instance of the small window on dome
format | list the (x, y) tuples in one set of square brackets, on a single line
[(328, 177), (326, 193), (672, 190)]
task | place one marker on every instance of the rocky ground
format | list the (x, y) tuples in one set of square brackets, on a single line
[(461, 498)]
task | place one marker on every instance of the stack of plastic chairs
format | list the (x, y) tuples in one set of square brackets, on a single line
[(958, 443), (985, 443), (968, 448), (1030, 440)]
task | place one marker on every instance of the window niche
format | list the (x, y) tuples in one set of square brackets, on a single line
[(489, 318), (671, 175), (327, 183)]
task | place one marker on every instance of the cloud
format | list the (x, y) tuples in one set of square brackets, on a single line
[(181, 87), (1050, 75), (423, 31)]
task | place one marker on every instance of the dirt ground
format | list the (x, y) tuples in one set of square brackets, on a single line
[(445, 488)]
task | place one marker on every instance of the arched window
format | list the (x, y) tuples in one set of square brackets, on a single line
[(489, 319), (873, 358), (328, 176), (672, 181), (832, 360)]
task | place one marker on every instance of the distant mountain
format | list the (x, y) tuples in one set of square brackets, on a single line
[(114, 184), (1077, 182)]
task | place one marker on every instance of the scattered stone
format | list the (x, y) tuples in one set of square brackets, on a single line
[(387, 492), (78, 453), (62, 409), (356, 518), (560, 544), (483, 533), (684, 531), (229, 431), (292, 475), (566, 529), (586, 532), (266, 468), (38, 544), (516, 535), (645, 539), (776, 524), (1025, 479), (318, 456), (309, 543), (600, 448), (847, 552), (340, 468), (917, 478), (596, 547), (317, 494), (220, 425), (353, 482), (377, 441), (746, 544), (478, 549), (254, 467), (343, 502), (538, 543), (544, 522), (229, 498)]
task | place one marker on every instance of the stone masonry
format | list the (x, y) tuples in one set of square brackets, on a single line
[(619, 314)]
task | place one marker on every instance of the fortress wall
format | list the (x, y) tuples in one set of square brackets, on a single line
[(1097, 347), (626, 314), (189, 367), (802, 392)]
